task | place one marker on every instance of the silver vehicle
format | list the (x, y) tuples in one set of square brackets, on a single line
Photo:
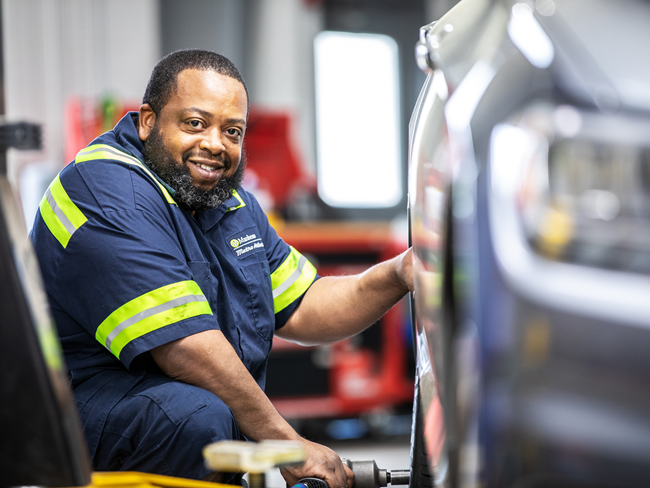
[(530, 211)]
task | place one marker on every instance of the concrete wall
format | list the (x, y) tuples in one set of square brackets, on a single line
[(282, 65), (54, 49), (216, 25), (270, 41)]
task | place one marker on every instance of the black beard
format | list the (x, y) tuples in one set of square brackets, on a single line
[(187, 194)]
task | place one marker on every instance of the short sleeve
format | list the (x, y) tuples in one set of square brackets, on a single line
[(291, 273), (124, 277)]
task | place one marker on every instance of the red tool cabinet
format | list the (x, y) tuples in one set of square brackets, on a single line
[(365, 373)]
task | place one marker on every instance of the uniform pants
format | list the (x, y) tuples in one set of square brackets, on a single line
[(161, 426)]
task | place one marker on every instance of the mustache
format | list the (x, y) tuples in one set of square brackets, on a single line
[(205, 154)]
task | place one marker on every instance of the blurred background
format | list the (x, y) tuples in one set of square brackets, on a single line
[(332, 86), (544, 358)]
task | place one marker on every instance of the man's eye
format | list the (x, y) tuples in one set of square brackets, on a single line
[(234, 132), (195, 124)]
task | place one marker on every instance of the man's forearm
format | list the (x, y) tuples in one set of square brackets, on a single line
[(338, 307), (207, 360)]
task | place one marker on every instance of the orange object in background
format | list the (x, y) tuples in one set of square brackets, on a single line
[(359, 375)]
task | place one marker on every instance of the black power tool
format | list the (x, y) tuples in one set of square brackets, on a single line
[(366, 475)]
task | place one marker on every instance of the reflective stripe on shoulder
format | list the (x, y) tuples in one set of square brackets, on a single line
[(59, 213), (151, 311), (241, 201), (291, 280), (104, 151)]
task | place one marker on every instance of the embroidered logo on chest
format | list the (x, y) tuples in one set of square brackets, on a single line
[(245, 242)]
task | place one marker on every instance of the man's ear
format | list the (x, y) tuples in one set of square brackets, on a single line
[(146, 121)]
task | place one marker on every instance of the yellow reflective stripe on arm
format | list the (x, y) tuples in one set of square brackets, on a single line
[(104, 151), (153, 310), (291, 280), (59, 213)]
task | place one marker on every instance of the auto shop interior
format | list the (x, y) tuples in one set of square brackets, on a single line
[(375, 126)]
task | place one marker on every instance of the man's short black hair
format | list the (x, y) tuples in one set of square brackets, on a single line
[(164, 77)]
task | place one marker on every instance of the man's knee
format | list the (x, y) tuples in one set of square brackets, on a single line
[(161, 427), (211, 423), (183, 448)]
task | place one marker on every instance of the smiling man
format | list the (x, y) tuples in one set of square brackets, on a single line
[(167, 283), (206, 134)]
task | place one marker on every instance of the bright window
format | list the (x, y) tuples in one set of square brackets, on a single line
[(357, 120)]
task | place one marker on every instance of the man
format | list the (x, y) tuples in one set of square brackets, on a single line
[(167, 283)]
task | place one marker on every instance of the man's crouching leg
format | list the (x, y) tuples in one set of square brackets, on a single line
[(161, 426)]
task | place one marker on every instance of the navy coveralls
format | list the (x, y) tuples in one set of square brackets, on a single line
[(127, 270)]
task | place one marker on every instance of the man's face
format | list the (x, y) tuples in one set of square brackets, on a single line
[(195, 143)]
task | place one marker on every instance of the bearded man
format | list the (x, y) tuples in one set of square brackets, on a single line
[(167, 283)]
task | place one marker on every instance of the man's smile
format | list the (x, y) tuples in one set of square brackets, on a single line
[(206, 164), (206, 167), (206, 170)]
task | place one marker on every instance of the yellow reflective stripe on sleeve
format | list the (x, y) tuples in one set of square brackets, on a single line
[(59, 213), (151, 311), (241, 201), (291, 280), (104, 151)]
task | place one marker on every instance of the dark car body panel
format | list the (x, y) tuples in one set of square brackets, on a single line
[(532, 355)]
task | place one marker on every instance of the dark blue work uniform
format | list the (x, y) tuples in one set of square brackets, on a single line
[(127, 270)]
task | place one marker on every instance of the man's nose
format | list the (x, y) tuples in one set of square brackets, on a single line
[(212, 141)]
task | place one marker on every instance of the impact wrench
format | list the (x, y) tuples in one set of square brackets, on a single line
[(366, 475)]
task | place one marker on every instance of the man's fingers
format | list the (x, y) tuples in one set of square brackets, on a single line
[(321, 463), (333, 478), (338, 479), (405, 269), (350, 475), (288, 477), (337, 476)]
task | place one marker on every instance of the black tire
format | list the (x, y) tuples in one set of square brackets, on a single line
[(420, 471)]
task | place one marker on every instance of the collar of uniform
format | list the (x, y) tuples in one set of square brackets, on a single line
[(209, 218), (126, 134)]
